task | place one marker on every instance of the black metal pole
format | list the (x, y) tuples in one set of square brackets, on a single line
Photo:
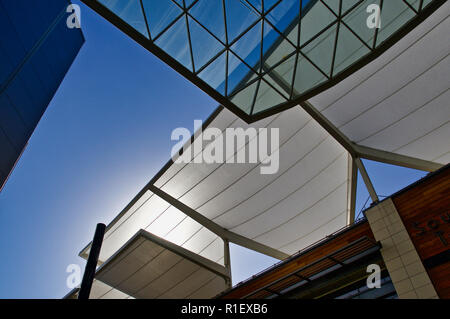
[(91, 265)]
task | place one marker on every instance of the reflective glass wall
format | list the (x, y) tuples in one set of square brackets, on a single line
[(36, 50)]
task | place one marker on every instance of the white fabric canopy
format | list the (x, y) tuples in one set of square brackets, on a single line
[(305, 201), (158, 217), (150, 267), (399, 102)]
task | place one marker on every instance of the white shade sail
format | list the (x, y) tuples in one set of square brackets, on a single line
[(153, 214), (304, 201), (399, 102), (150, 267)]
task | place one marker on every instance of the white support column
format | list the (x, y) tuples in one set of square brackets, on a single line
[(227, 260), (351, 190), (367, 181)]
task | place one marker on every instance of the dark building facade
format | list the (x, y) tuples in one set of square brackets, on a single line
[(37, 49)]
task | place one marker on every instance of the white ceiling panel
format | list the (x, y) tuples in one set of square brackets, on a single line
[(150, 267)]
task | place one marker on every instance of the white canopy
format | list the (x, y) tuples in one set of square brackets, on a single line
[(399, 102), (150, 267)]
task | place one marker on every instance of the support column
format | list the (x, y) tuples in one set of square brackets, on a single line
[(410, 279), (91, 265), (227, 260)]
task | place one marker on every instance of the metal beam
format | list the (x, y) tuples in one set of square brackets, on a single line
[(396, 159), (367, 181), (351, 190), (217, 229), (227, 260)]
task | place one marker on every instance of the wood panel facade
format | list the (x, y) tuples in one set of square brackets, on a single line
[(307, 257), (425, 211)]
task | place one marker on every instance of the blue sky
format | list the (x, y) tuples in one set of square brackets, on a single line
[(104, 135)]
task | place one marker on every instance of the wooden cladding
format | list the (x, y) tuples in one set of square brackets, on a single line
[(425, 212), (296, 263)]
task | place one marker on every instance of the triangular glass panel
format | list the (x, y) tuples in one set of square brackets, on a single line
[(180, 2), (349, 50), (188, 3), (215, 73), (130, 12), (426, 3), (334, 4), (285, 72), (210, 14), (394, 15), (414, 3), (239, 18), (314, 20), (244, 99), (175, 43), (238, 74), (307, 76), (356, 20), (275, 47), (268, 4), (204, 45), (348, 5), (248, 47), (278, 83), (160, 14), (285, 17), (281, 52), (267, 97), (320, 50), (257, 4)]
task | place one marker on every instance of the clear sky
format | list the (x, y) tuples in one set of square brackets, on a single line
[(103, 137)]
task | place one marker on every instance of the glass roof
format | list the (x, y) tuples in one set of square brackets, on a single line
[(257, 57)]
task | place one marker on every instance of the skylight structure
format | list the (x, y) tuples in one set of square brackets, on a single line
[(258, 57)]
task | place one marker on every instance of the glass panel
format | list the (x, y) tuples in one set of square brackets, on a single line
[(245, 98), (248, 47), (315, 19), (240, 16), (238, 73), (210, 14), (243, 48), (348, 4), (284, 17), (215, 73), (307, 76), (175, 42), (394, 14), (160, 14), (129, 11), (349, 49), (204, 46), (267, 97), (357, 21), (320, 51), (414, 3), (275, 47)]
